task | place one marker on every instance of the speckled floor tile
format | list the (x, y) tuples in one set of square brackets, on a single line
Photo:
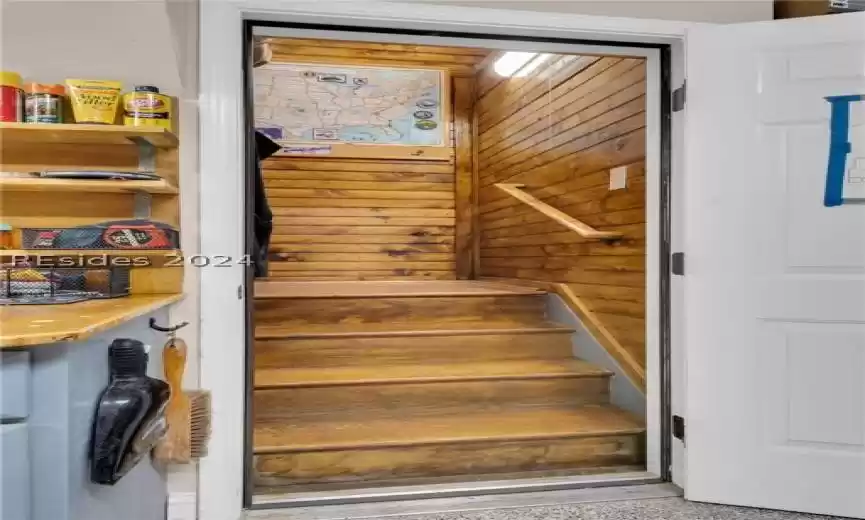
[(643, 509), (652, 509)]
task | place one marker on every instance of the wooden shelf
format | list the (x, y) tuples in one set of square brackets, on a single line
[(34, 133), (25, 325), (39, 184)]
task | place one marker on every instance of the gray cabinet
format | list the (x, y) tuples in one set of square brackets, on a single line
[(14, 472), (49, 398), (14, 385)]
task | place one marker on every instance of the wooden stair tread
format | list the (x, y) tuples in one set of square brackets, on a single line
[(269, 289), (500, 426), (405, 329), (360, 375)]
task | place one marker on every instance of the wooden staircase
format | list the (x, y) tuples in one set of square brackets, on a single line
[(360, 383)]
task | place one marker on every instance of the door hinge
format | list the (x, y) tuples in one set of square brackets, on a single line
[(679, 427), (677, 263), (239, 292), (679, 98)]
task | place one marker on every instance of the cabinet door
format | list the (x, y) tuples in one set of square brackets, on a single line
[(14, 472), (14, 385)]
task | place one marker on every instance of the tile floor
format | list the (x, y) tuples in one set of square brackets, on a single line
[(647, 509)]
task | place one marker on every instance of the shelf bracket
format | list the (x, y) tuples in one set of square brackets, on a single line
[(146, 154), (141, 204)]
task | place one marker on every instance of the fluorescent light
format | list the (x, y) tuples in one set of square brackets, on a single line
[(511, 62), (532, 65)]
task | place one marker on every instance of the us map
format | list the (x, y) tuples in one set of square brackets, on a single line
[(321, 104)]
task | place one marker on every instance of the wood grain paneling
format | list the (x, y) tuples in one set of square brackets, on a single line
[(376, 218), (464, 173), (558, 132), (472, 458)]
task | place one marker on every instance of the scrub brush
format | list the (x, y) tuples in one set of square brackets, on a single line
[(188, 413), (199, 422)]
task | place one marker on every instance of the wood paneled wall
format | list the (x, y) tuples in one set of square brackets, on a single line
[(558, 131), (370, 219), (341, 219)]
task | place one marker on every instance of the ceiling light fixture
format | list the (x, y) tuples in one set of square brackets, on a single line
[(527, 69), (511, 62)]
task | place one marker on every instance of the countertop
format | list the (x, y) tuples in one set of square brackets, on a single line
[(26, 325)]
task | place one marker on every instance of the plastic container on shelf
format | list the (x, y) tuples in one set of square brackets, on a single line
[(94, 101), (11, 97), (6, 238), (44, 103), (147, 107)]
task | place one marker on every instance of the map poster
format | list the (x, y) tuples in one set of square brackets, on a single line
[(315, 106)]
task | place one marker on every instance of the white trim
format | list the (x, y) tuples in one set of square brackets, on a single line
[(467, 20), (677, 283), (222, 336), (222, 166), (182, 506), (653, 266)]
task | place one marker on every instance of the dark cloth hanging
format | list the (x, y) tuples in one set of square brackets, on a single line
[(263, 217)]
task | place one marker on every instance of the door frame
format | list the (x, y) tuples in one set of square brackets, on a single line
[(226, 291)]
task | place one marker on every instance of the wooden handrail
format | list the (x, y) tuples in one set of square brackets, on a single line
[(583, 229)]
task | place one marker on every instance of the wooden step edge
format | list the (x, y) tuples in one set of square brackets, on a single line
[(435, 379), (388, 289), (259, 335), (427, 294), (299, 448)]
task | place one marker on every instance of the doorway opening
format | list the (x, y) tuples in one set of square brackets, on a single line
[(464, 280)]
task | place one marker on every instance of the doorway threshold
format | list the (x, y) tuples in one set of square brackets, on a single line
[(471, 490), (459, 504)]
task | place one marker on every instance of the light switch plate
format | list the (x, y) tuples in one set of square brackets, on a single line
[(854, 181), (619, 178)]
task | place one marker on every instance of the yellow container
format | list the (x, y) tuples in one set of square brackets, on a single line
[(93, 100), (147, 107)]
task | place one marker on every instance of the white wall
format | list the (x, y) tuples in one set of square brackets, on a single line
[(156, 42), (137, 42), (714, 11)]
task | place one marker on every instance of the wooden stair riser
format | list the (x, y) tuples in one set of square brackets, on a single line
[(472, 459), (365, 401), (299, 312), (382, 351)]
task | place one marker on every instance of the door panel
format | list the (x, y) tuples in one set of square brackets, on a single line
[(775, 291)]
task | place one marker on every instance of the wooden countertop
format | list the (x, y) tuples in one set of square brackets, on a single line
[(24, 325)]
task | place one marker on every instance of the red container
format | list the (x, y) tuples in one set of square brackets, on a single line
[(11, 97)]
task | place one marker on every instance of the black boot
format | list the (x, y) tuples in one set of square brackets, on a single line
[(130, 417)]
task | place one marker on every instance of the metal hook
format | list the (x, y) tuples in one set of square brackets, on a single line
[(170, 330)]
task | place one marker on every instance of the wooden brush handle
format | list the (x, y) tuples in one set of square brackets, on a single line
[(175, 447), (174, 364)]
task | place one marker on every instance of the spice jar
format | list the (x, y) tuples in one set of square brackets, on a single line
[(44, 103), (11, 97)]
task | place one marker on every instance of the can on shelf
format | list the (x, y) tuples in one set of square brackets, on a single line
[(147, 107), (44, 103), (11, 97)]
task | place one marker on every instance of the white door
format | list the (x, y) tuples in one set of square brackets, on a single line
[(775, 278)]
